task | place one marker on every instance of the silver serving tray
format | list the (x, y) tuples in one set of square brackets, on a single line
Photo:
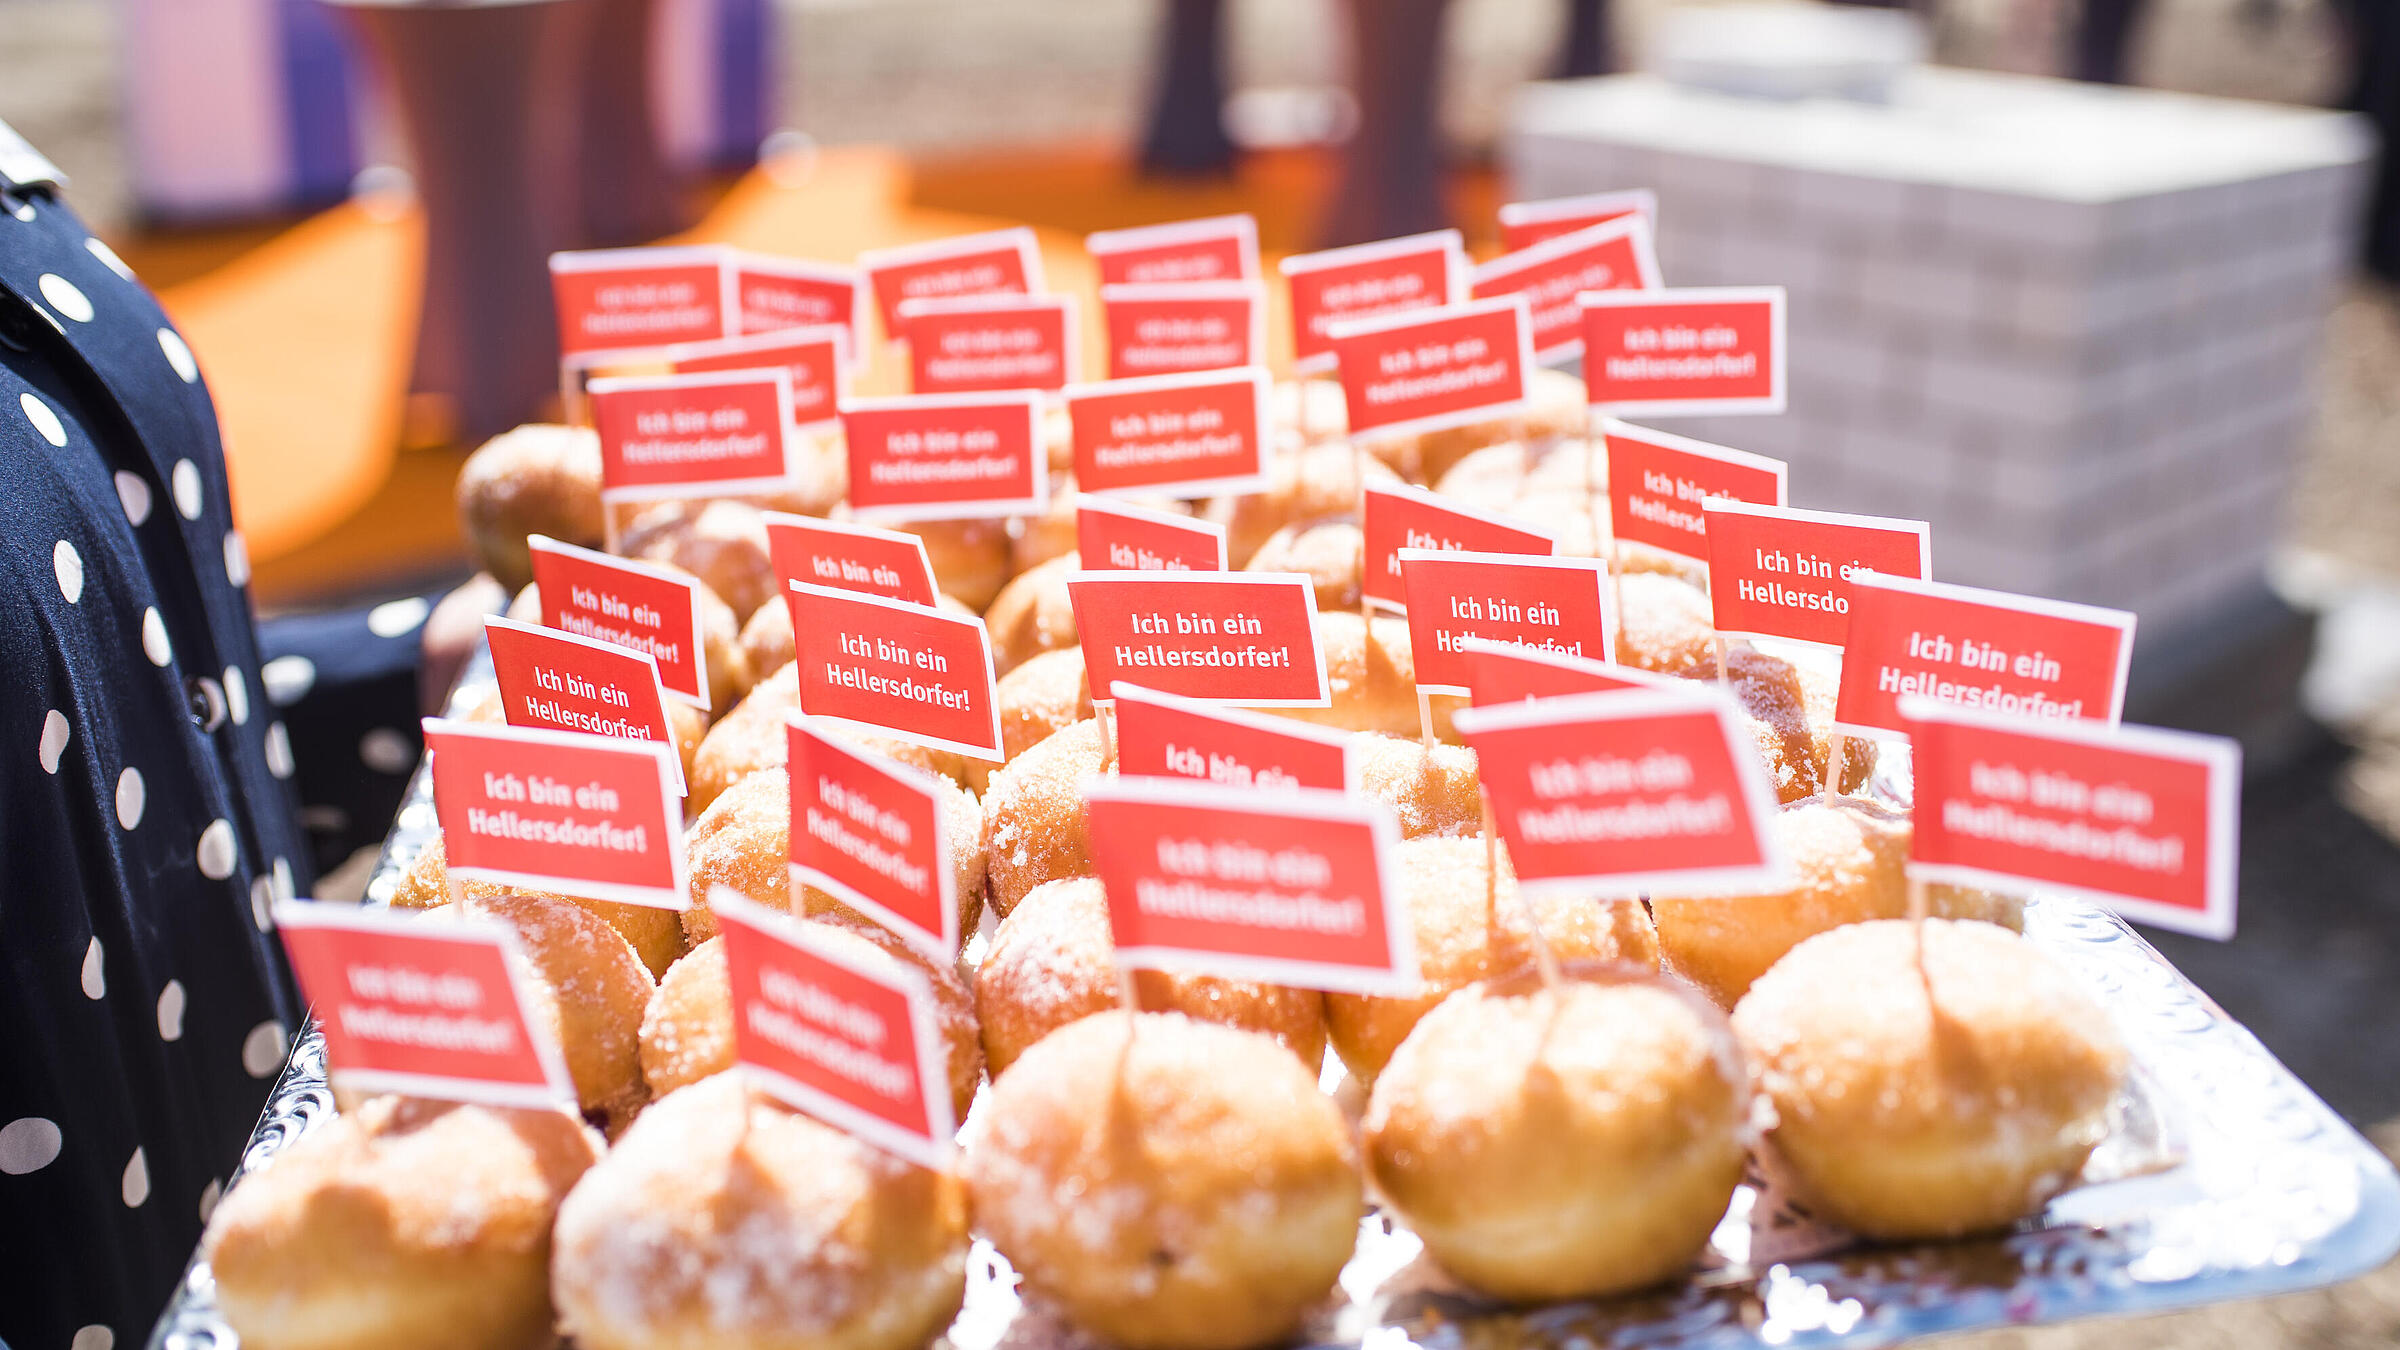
[(2225, 1178)]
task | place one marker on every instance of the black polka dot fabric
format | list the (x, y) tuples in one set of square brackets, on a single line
[(343, 686), (147, 818)]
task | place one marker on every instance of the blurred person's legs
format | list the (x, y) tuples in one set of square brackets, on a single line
[(2103, 36), (1391, 181), (1584, 49), (630, 193), (2375, 90), (488, 94), (1186, 134)]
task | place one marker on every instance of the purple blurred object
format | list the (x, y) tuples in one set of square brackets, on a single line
[(1186, 135), (1391, 169), (487, 93), (628, 192)]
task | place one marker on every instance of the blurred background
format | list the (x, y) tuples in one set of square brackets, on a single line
[(2100, 287)]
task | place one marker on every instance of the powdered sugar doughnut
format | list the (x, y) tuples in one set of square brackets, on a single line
[(1052, 963), (688, 725), (1034, 814), (1370, 673), (687, 1032), (400, 1224), (1555, 407), (1320, 481), (656, 934), (752, 737), (1171, 1184), (721, 541), (1461, 938), (729, 675), (1848, 862), (1041, 696), (970, 557), (1667, 624), (539, 478), (1327, 550), (584, 989), (743, 841), (1561, 1143), (1033, 614), (724, 1220), (1936, 1099), (1430, 791), (1789, 712)]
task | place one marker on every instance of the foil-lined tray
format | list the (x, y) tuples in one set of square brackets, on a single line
[(2223, 1178)]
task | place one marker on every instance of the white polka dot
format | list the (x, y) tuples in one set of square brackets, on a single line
[(69, 566), (237, 559), (134, 1187), (24, 211), (55, 733), (44, 419), (179, 355), (279, 751), (262, 903), (237, 695), (135, 493), (27, 1144), (130, 798), (185, 479), (108, 258), (95, 1336), (170, 1011), (65, 298), (282, 872), (215, 853), (95, 975), (262, 1050), (287, 679), (394, 617), (154, 638), (387, 751)]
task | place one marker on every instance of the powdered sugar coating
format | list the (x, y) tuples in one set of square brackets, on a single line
[(1431, 789), (1848, 859), (723, 1220), (1562, 1143), (1929, 1080), (743, 841), (1038, 830), (1052, 963), (687, 1033), (1172, 1184), (1467, 931), (403, 1223)]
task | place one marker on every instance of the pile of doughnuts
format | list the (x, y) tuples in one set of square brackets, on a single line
[(1188, 1174)]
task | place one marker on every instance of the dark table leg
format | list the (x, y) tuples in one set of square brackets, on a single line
[(487, 96)]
